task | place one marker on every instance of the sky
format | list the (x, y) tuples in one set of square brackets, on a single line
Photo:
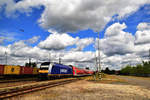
[(68, 29)]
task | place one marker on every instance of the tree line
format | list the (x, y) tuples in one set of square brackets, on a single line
[(138, 70), (31, 64)]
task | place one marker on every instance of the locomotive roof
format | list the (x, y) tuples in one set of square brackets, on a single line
[(45, 63)]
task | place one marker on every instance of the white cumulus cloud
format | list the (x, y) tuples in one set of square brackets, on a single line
[(33, 39), (143, 33), (122, 48), (116, 41), (74, 15), (82, 43), (57, 41)]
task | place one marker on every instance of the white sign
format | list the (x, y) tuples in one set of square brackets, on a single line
[(44, 66), (63, 70)]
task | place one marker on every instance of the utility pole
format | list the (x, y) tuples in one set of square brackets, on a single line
[(36, 61), (49, 57), (29, 62), (149, 54), (99, 58), (96, 64), (59, 60), (6, 57)]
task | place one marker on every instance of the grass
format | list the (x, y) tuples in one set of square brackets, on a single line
[(105, 78)]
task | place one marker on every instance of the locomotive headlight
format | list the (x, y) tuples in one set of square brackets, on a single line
[(43, 71)]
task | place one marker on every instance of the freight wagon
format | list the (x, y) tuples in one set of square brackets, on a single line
[(26, 71), (1, 70), (35, 71), (17, 71), (12, 70)]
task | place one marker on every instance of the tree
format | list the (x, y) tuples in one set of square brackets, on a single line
[(107, 71), (33, 64), (126, 70), (138, 70)]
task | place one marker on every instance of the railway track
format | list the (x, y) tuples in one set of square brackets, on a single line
[(17, 80), (19, 90), (13, 84)]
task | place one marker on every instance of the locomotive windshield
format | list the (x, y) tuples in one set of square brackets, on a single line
[(44, 66), (45, 63)]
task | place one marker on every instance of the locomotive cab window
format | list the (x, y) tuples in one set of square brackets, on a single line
[(44, 66)]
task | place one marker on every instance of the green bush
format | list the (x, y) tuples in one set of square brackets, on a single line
[(138, 70)]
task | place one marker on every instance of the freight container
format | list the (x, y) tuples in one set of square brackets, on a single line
[(35, 71), (1, 69), (12, 70), (26, 70)]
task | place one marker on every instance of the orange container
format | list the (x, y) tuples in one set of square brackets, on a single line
[(2, 69), (12, 70), (35, 71)]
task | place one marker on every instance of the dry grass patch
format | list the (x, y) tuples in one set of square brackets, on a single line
[(85, 90), (88, 89), (112, 79), (106, 79)]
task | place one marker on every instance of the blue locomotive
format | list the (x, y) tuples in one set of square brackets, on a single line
[(53, 70)]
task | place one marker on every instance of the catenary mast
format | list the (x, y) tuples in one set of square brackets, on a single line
[(99, 58)]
